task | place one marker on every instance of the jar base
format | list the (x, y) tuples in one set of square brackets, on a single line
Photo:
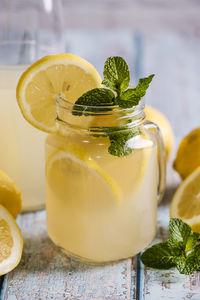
[(91, 262), (88, 261)]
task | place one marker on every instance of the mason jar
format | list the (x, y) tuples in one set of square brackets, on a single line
[(105, 173)]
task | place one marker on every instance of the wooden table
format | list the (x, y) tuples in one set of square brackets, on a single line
[(44, 271)]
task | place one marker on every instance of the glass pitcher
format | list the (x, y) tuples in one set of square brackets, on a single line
[(28, 31)]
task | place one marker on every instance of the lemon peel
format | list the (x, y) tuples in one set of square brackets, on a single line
[(38, 87)]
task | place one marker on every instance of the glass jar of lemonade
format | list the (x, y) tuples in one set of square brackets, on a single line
[(101, 205)]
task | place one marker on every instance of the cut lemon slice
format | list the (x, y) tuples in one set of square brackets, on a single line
[(11, 242), (10, 195), (72, 168), (41, 83), (186, 201)]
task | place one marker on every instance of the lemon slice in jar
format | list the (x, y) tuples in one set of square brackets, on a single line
[(11, 242), (66, 167), (42, 82)]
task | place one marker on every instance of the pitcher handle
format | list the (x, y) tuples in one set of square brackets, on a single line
[(161, 158)]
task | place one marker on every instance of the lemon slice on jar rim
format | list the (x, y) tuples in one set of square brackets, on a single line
[(38, 87)]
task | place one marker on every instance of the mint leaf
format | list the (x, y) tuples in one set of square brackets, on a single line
[(97, 97), (182, 235), (143, 85), (181, 250), (119, 145), (190, 264), (132, 97), (192, 241), (159, 256), (180, 232), (128, 99), (116, 74)]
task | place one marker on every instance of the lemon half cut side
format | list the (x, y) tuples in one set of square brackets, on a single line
[(11, 242), (66, 74), (186, 201)]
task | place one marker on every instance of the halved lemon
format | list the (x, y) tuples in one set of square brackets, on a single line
[(10, 195), (11, 242), (186, 201), (71, 170), (39, 86)]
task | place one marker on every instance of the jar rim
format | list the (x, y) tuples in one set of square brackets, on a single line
[(62, 102), (113, 117)]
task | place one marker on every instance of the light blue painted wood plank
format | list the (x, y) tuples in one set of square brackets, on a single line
[(46, 273)]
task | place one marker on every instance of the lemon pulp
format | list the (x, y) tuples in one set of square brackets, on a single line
[(186, 201), (11, 242), (6, 240)]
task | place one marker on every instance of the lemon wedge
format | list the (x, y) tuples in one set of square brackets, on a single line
[(39, 86), (65, 167), (11, 242), (10, 195), (186, 201)]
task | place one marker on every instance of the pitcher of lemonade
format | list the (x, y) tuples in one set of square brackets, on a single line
[(105, 164), (21, 43)]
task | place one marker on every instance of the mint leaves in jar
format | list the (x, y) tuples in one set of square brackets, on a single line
[(116, 80)]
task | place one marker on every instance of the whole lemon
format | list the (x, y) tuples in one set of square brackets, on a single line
[(10, 195), (188, 154), (158, 118)]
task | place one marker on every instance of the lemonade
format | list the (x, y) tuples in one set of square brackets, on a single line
[(21, 151), (100, 217), (102, 184)]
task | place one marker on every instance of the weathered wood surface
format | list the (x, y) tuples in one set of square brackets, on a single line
[(46, 273)]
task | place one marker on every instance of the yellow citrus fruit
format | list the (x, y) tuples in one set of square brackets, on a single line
[(158, 118), (39, 86), (186, 201), (65, 166), (188, 154), (10, 195), (11, 242)]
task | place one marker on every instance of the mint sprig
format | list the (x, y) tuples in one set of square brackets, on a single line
[(116, 74), (181, 250), (119, 142), (116, 79)]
